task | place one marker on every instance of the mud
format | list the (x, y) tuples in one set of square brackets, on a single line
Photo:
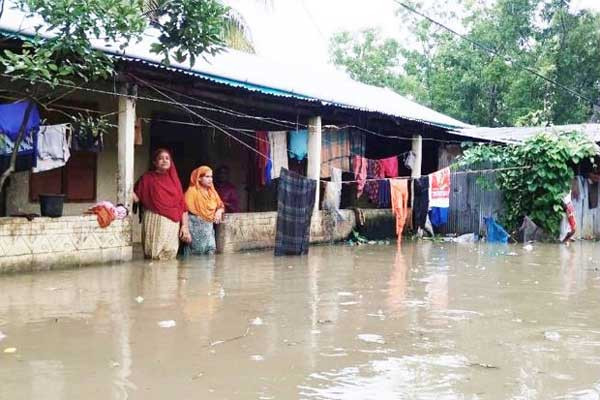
[(430, 321)]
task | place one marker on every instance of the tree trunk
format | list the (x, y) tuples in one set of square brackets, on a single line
[(20, 136)]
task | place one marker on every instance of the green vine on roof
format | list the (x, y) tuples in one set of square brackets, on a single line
[(536, 189)]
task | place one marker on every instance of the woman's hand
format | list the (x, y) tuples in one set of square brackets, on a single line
[(219, 216), (134, 197), (184, 234)]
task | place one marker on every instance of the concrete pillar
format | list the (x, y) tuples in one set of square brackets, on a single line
[(313, 170), (417, 148), (126, 137)]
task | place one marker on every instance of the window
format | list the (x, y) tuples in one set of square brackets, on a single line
[(77, 179)]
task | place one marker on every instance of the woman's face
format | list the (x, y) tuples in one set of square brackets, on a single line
[(162, 162), (207, 179)]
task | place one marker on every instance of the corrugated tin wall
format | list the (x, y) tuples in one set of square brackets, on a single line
[(471, 201), (588, 219)]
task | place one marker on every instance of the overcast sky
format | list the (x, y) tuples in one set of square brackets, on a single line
[(298, 31)]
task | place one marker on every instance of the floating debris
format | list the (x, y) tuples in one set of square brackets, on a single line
[(139, 299), (553, 336), (167, 324), (371, 338), (257, 321), (10, 350), (257, 357), (483, 365), (528, 247)]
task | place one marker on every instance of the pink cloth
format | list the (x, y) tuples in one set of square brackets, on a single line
[(359, 164), (389, 167)]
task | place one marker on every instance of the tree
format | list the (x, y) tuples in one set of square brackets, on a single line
[(492, 86), (61, 53)]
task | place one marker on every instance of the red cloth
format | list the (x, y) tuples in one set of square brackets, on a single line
[(104, 214), (229, 196), (359, 165), (389, 167), (162, 193), (262, 146)]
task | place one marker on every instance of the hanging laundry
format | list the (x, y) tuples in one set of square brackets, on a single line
[(385, 194), (333, 193), (27, 151), (279, 152), (438, 216), (295, 203), (421, 201), (298, 145), (12, 116), (262, 158), (358, 143), (105, 213), (53, 147), (389, 167), (570, 215), (139, 138), (335, 151), (439, 188), (359, 166), (409, 161), (372, 186), (399, 197)]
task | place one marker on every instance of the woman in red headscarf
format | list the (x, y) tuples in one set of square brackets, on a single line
[(165, 213), (206, 209)]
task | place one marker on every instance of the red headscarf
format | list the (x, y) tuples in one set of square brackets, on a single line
[(162, 193)]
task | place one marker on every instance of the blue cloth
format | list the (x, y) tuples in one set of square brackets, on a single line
[(268, 169), (384, 194), (11, 118), (27, 152), (495, 232), (298, 144), (438, 216)]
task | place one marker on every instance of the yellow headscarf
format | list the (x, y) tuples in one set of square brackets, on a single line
[(201, 200)]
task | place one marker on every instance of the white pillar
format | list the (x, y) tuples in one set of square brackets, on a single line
[(314, 156), (126, 137), (417, 148)]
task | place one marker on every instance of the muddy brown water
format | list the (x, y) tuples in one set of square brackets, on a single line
[(428, 321)]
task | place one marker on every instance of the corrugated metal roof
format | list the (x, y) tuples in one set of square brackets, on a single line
[(273, 78), (517, 135)]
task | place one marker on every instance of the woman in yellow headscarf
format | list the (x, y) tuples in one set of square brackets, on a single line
[(205, 209)]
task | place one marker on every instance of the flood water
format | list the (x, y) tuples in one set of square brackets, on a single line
[(428, 321)]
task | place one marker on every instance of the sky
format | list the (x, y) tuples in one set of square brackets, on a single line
[(298, 31)]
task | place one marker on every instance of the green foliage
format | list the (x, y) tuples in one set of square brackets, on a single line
[(186, 29), (189, 28), (540, 178), (456, 77)]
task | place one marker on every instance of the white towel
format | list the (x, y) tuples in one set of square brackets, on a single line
[(279, 152), (53, 147)]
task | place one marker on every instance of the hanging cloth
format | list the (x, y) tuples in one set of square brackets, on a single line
[(262, 158), (384, 200), (53, 147), (439, 188), (409, 161), (335, 151), (12, 115), (359, 165), (389, 167), (298, 145), (421, 201), (295, 203), (399, 197), (279, 152), (372, 186), (333, 193)]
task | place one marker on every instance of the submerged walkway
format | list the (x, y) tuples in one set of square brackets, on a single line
[(429, 321)]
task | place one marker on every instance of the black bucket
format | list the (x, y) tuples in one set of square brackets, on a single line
[(51, 205)]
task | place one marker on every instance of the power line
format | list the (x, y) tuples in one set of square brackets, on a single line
[(496, 53)]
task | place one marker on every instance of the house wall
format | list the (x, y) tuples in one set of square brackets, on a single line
[(54, 243)]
